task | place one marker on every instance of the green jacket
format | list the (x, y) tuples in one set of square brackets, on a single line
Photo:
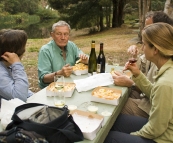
[(160, 123)]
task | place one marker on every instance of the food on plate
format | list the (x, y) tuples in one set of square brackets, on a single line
[(80, 66), (106, 93), (126, 73), (78, 61), (67, 87)]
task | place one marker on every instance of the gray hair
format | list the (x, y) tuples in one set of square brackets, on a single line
[(149, 14), (60, 23)]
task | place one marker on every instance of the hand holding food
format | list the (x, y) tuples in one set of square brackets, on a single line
[(67, 70), (133, 68), (84, 58)]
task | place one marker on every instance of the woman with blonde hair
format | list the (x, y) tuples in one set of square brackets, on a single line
[(158, 48)]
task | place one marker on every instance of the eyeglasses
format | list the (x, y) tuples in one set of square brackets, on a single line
[(62, 34)]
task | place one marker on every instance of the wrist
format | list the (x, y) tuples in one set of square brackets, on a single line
[(133, 86), (136, 74), (58, 72)]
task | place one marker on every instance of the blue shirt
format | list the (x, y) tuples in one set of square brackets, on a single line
[(51, 59), (14, 82)]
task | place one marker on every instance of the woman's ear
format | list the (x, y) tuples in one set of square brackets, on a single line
[(156, 50)]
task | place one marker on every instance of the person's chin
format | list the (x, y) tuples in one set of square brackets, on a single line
[(62, 45)]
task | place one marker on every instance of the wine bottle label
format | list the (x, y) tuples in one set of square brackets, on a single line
[(98, 68)]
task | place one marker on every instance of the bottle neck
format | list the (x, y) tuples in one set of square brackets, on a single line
[(101, 50), (92, 45)]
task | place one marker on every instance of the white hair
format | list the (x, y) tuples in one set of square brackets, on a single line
[(60, 23)]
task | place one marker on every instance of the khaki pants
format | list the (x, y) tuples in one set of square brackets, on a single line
[(131, 107)]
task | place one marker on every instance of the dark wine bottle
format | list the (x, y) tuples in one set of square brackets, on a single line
[(101, 60), (92, 63)]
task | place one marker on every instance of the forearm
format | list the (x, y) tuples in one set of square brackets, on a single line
[(143, 83), (48, 78), (15, 85)]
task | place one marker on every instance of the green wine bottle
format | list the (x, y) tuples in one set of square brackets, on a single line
[(92, 63)]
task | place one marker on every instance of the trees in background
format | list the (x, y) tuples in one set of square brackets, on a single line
[(169, 8), (88, 13), (147, 5), (97, 14), (19, 6)]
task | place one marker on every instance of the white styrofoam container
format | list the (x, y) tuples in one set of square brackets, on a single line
[(106, 100), (80, 72), (91, 134), (68, 93), (80, 68)]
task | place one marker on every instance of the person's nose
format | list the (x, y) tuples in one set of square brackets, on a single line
[(63, 36)]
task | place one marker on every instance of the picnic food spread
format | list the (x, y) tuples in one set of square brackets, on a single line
[(106, 93), (67, 87), (80, 66)]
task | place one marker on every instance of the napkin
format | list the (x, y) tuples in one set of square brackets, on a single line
[(102, 79), (7, 110)]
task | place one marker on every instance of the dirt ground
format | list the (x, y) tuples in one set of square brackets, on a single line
[(116, 41)]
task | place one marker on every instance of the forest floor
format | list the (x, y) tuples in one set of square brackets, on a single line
[(116, 42)]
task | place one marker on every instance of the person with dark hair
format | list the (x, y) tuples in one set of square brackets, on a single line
[(14, 81), (158, 48), (138, 104), (59, 55)]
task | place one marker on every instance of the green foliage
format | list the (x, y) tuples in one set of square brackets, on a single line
[(47, 14), (33, 49), (157, 5), (79, 14), (14, 20), (129, 17), (19, 6)]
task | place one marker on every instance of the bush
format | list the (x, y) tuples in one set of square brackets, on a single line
[(47, 14)]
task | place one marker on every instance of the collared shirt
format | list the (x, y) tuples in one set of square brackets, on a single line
[(51, 59), (14, 82), (160, 123)]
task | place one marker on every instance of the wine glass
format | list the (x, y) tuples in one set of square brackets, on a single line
[(116, 61), (59, 98), (132, 59)]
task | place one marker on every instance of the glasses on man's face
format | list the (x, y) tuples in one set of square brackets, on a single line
[(62, 34)]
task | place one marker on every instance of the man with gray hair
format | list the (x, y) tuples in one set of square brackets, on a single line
[(59, 55)]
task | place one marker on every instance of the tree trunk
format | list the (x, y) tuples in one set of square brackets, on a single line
[(144, 7), (101, 19), (140, 19), (168, 8), (115, 14), (108, 13), (107, 16), (120, 12), (149, 5)]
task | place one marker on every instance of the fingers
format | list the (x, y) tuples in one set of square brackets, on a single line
[(83, 56), (118, 73), (10, 57), (67, 70)]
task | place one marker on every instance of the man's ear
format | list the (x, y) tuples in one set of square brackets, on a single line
[(51, 34)]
